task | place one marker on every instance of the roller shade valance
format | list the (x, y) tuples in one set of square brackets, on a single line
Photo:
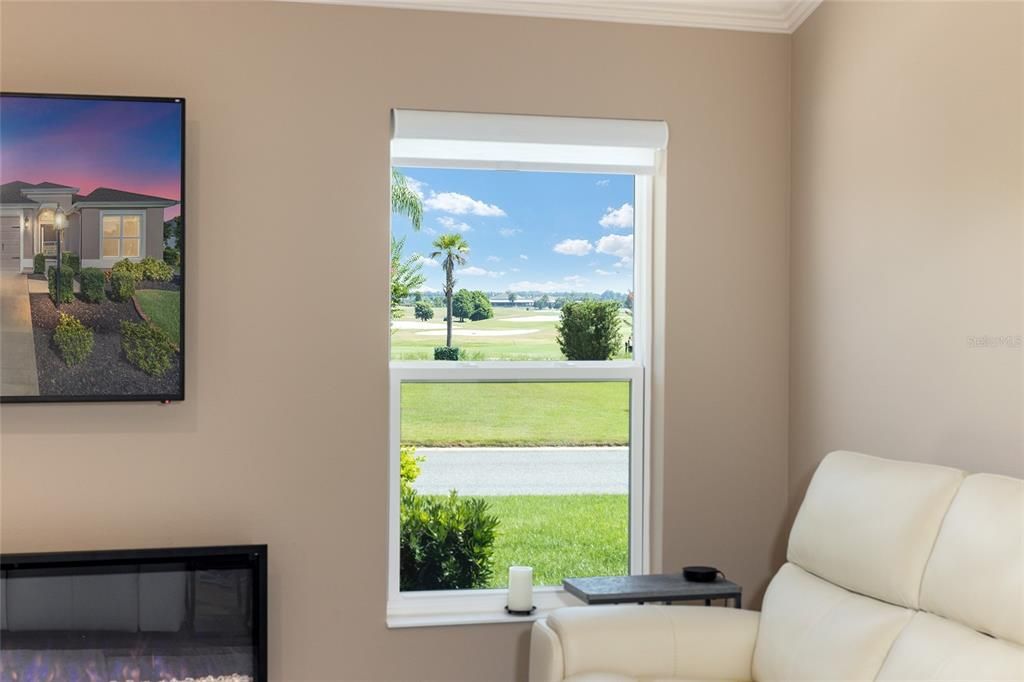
[(514, 142)]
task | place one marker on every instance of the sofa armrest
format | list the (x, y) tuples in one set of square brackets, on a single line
[(687, 642), (545, 654)]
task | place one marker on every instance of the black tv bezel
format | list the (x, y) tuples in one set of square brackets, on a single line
[(142, 397), (112, 558)]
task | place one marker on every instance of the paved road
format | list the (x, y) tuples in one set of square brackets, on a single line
[(524, 471)]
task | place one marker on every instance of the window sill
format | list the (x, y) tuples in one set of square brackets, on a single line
[(477, 607)]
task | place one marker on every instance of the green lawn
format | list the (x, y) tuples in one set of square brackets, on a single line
[(521, 414), (540, 344), (561, 536), (163, 309)]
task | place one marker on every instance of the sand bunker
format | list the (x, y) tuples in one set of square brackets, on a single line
[(479, 332)]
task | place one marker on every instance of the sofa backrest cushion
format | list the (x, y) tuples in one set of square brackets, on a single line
[(813, 630), (869, 524), (976, 571), (933, 649)]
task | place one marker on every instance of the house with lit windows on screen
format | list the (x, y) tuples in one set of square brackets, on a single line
[(102, 227)]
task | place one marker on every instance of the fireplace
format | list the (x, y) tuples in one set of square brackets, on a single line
[(152, 615)]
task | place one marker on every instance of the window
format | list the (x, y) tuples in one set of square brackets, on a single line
[(528, 399), (122, 235)]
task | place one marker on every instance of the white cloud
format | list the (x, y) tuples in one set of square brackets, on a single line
[(451, 224), (514, 269), (574, 247), (523, 256), (415, 185), (427, 290), (571, 283), (602, 183), (493, 259), (429, 230), (509, 231), (474, 271), (427, 262), (575, 279), (620, 245), (460, 204), (618, 218), (620, 264), (603, 273)]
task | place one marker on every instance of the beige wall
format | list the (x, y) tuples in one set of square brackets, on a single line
[(154, 233), (282, 437), (906, 235), (90, 218)]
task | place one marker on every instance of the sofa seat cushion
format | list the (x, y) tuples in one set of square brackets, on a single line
[(813, 630), (933, 649)]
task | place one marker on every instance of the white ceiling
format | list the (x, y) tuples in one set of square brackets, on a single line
[(769, 16)]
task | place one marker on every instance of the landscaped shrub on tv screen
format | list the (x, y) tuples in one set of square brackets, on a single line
[(67, 283), (71, 260), (146, 347), (122, 286), (93, 284), (73, 338), (110, 216), (154, 270)]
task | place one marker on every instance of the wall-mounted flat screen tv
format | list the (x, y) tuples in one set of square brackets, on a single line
[(92, 248)]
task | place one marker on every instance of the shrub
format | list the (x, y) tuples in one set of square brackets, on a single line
[(154, 270), (446, 353), (482, 309), (122, 285), (172, 256), (589, 330), (471, 304), (146, 347), (39, 264), (73, 339), (447, 543), (423, 311), (409, 468), (70, 259), (93, 284), (67, 284), (128, 267)]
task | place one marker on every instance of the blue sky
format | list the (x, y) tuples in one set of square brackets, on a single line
[(90, 143), (527, 231)]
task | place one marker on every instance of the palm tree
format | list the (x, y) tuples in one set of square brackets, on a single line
[(454, 249), (404, 200)]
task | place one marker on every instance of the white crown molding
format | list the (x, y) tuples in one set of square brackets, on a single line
[(765, 16)]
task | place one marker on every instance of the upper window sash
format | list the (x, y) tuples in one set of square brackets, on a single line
[(537, 143)]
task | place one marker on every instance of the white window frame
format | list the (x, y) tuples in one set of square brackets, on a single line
[(453, 607), (121, 237)]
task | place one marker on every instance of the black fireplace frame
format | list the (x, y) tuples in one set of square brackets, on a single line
[(254, 555)]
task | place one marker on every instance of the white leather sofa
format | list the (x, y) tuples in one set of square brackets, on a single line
[(896, 571)]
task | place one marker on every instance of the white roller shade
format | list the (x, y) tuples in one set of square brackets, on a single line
[(509, 142)]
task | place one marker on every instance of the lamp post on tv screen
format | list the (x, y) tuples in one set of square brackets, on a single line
[(59, 221)]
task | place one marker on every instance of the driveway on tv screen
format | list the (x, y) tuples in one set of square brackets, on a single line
[(109, 325)]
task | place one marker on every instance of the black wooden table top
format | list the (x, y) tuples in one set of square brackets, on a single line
[(643, 588)]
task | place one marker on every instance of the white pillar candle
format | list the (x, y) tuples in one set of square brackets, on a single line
[(520, 588)]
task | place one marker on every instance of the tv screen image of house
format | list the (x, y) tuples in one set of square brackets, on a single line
[(92, 248)]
